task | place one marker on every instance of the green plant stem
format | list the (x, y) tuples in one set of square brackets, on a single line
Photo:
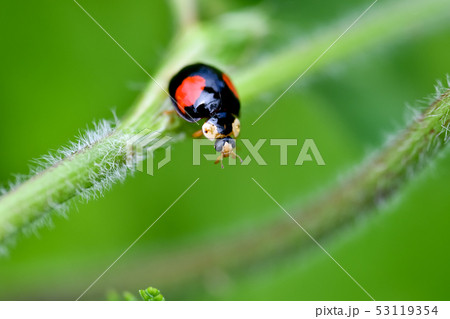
[(93, 166), (185, 11), (29, 204), (386, 23), (375, 181)]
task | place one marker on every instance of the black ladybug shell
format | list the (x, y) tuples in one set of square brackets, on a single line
[(200, 91)]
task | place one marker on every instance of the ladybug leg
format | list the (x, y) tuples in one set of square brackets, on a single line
[(197, 134), (234, 155), (168, 112), (219, 159)]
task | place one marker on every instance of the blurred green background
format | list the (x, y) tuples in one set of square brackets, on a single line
[(59, 72)]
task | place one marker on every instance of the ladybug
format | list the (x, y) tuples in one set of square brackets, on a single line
[(200, 91)]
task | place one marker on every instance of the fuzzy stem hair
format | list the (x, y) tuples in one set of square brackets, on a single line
[(93, 163), (371, 184)]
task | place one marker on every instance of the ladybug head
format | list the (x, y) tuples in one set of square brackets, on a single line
[(221, 125), (226, 146)]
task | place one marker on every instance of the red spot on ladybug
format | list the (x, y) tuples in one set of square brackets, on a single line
[(230, 84), (189, 91)]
